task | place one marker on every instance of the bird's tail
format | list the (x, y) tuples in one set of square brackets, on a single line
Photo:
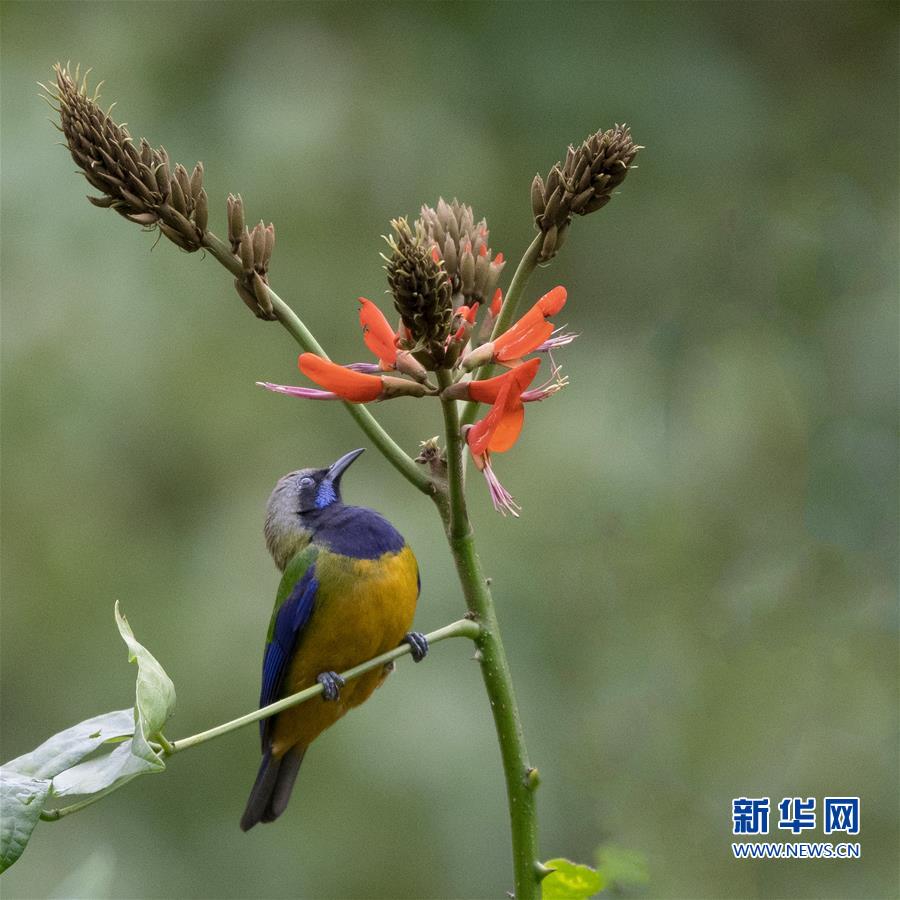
[(272, 788)]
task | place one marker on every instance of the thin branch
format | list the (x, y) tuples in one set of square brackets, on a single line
[(462, 628), (53, 815)]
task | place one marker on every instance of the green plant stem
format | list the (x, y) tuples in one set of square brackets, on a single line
[(304, 337), (527, 264), (53, 815), (462, 628), (521, 776)]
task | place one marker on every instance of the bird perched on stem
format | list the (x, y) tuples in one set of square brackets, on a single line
[(348, 593)]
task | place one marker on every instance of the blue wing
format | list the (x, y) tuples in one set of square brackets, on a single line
[(290, 620)]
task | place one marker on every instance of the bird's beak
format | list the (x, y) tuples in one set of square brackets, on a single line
[(338, 468)]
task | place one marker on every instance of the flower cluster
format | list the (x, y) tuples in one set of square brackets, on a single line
[(433, 337), (442, 274)]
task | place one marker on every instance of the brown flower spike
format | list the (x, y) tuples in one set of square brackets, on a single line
[(140, 184), (421, 289), (137, 182), (581, 185)]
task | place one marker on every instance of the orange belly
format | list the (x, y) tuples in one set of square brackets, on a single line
[(363, 608)]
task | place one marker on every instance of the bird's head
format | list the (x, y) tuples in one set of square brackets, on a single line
[(299, 499)]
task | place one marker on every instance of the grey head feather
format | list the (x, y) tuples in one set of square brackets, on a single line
[(286, 534)]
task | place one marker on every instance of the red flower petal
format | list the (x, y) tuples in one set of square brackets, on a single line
[(496, 303), (553, 301), (501, 427), (514, 345), (468, 312), (508, 429), (487, 390), (377, 333), (532, 329), (479, 435), (347, 384)]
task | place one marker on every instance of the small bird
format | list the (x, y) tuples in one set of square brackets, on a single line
[(348, 593)]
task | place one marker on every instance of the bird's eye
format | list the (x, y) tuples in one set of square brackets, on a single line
[(306, 481)]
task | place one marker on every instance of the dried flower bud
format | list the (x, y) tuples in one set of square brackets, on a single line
[(163, 177), (246, 251), (235, 221), (197, 180), (249, 296), (261, 292), (431, 455), (184, 181), (421, 288), (270, 244), (581, 185), (537, 196), (177, 198), (201, 211), (254, 249)]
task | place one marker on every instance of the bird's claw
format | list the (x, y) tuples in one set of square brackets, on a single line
[(418, 644), (331, 685)]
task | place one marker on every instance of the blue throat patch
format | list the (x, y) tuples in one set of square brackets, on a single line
[(326, 495)]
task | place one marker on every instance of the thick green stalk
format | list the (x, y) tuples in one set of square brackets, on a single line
[(304, 337), (521, 776), (527, 265)]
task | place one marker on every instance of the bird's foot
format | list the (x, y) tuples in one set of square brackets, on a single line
[(418, 643), (331, 685)]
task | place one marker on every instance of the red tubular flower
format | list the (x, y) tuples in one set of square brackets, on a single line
[(532, 329), (355, 387), (347, 384), (501, 427), (381, 339), (487, 390), (524, 337), (378, 334)]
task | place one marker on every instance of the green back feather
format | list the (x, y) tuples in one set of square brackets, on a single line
[(293, 572)]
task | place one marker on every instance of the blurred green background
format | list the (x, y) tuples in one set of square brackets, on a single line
[(699, 601)]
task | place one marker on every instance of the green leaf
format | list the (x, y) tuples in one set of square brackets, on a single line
[(59, 764), (109, 771), (622, 868), (154, 703), (21, 800), (72, 745), (154, 694), (570, 881)]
